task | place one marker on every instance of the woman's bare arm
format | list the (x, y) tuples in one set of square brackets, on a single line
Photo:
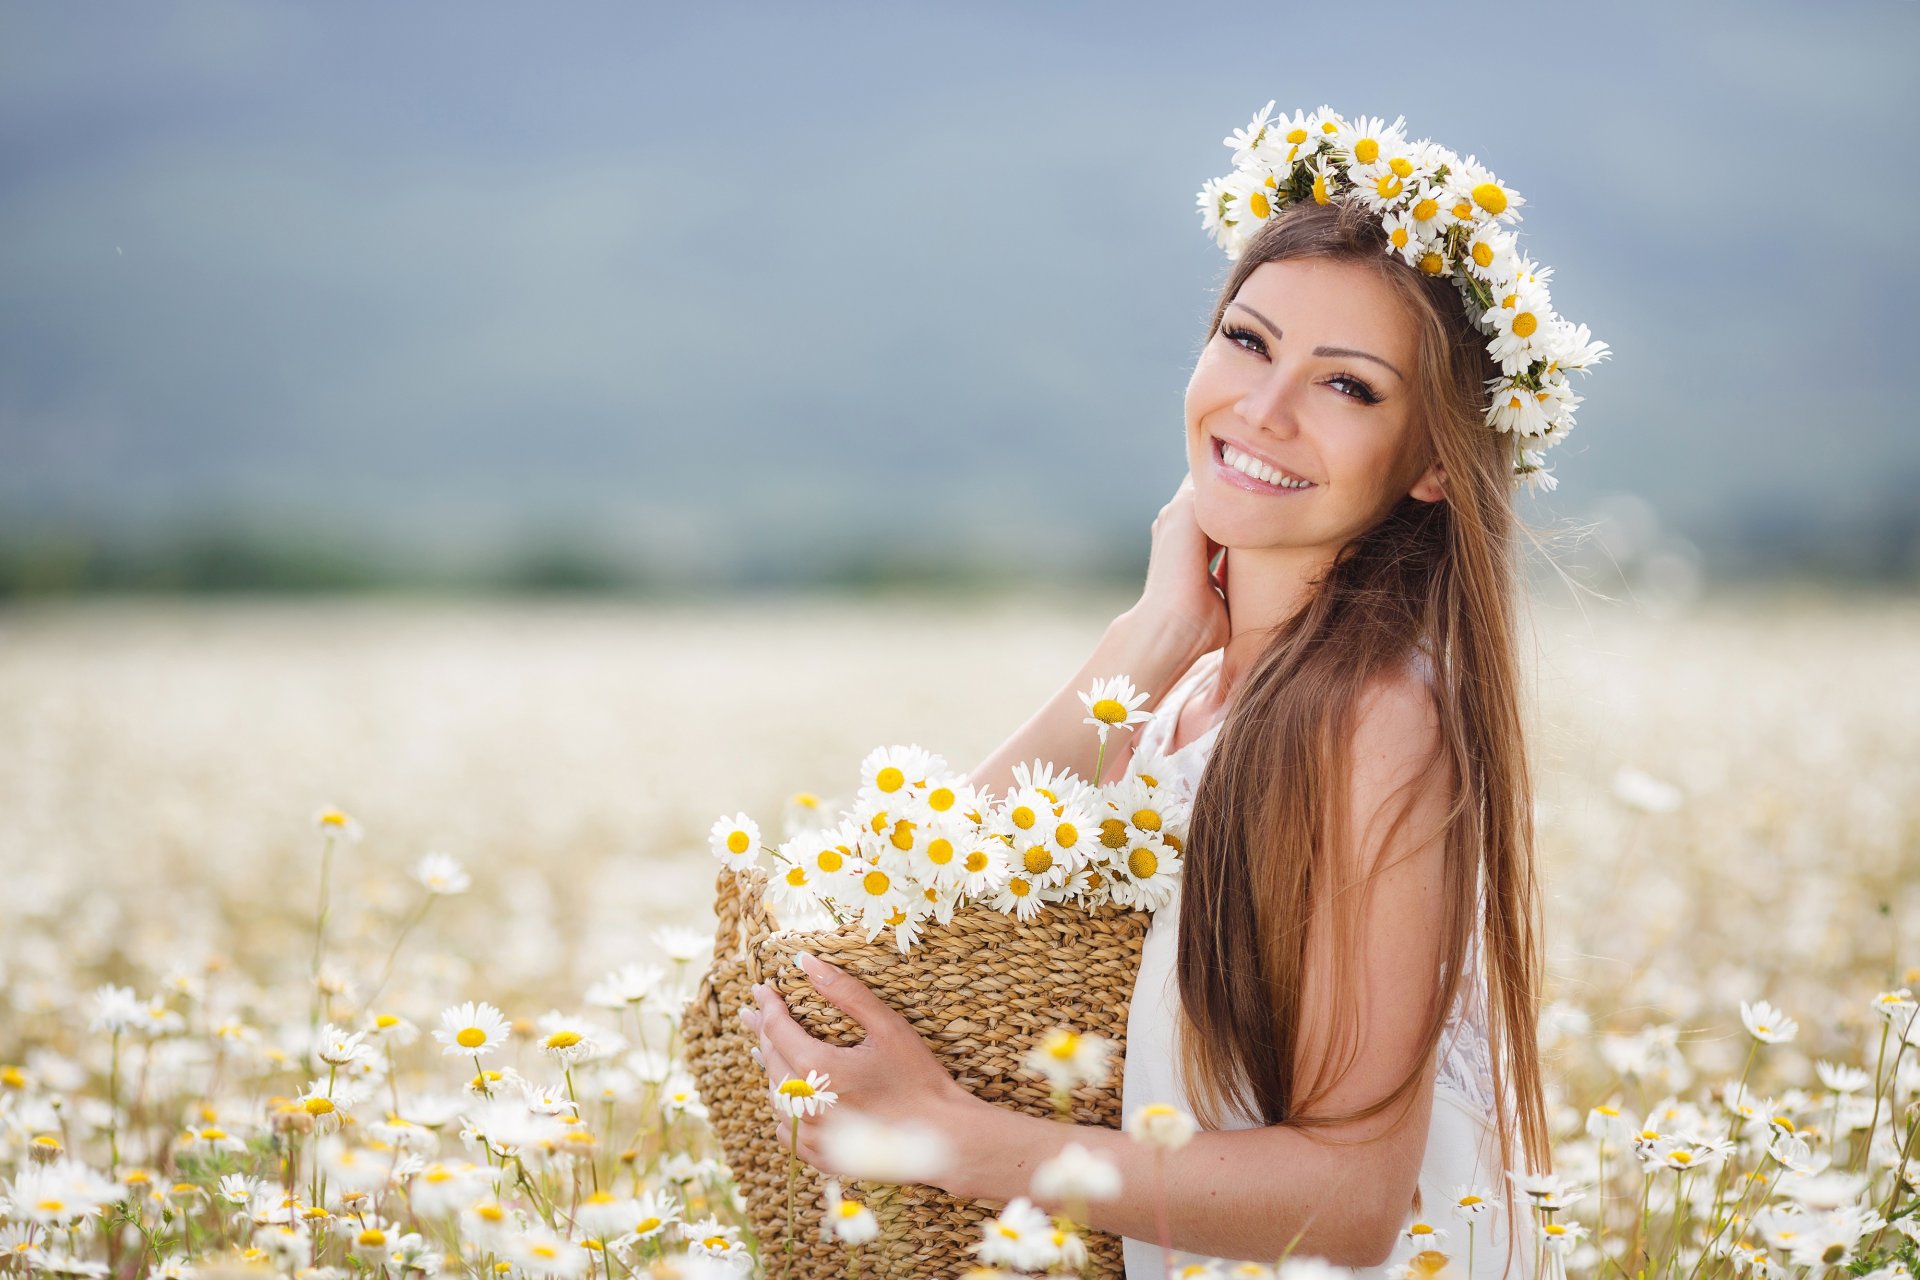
[(1247, 1193), (1151, 647)]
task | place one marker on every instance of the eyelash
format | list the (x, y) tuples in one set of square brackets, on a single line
[(1366, 396)]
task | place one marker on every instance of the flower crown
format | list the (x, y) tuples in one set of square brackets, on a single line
[(1443, 215)]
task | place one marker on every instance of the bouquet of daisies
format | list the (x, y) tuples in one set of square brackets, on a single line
[(919, 840), (1048, 890)]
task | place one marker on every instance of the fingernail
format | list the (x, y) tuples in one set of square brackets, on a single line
[(819, 970)]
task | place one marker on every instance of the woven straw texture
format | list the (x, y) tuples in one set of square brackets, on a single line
[(981, 992)]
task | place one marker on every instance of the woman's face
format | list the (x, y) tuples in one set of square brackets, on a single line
[(1310, 373)]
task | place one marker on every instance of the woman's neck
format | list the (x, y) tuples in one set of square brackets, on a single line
[(1264, 587)]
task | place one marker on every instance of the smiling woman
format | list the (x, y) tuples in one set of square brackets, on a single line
[(1344, 987)]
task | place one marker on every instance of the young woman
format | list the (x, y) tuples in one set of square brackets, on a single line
[(1345, 991)]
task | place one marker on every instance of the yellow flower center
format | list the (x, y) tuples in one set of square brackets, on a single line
[(1260, 207), (1425, 210), (1038, 860), (977, 860), (1019, 887), (1023, 816), (1142, 863), (1401, 166), (875, 882), (1066, 835), (470, 1038), (737, 842), (1296, 136), (1523, 326), (829, 860), (940, 851), (890, 779), (941, 799), (1387, 186), (1320, 189), (1399, 237), (1483, 253), (1490, 197), (645, 1225), (796, 876), (903, 835), (1367, 150), (796, 1088), (318, 1106), (372, 1238), (848, 1208), (1432, 263), (563, 1040)]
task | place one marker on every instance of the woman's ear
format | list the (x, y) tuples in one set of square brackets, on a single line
[(1432, 484)]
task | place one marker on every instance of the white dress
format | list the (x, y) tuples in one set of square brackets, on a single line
[(1462, 1142)]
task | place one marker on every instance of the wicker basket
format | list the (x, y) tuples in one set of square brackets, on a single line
[(981, 992)]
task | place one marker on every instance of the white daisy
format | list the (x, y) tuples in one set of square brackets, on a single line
[(1018, 897), (1065, 1057), (1076, 1175), (984, 867), (735, 841), (1246, 142), (442, 874), (1157, 1124), (1767, 1024), (848, 1221), (1153, 870), (338, 1048), (1471, 1202), (472, 1028), (888, 772), (1114, 701), (337, 824)]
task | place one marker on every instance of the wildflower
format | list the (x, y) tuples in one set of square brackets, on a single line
[(116, 1009), (1895, 1006), (1545, 1190), (1840, 1078), (1606, 1121), (1424, 1235), (848, 1221), (472, 1028), (1017, 1237), (1767, 1024), (1156, 1124), (626, 986), (894, 1153), (735, 841), (1471, 1202), (682, 946), (1560, 1237), (567, 1040), (541, 1252), (653, 1213), (1075, 1176), (1114, 702), (338, 1048), (795, 1096), (334, 823), (1066, 1058), (442, 875)]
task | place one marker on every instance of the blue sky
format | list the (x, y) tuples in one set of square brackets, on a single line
[(435, 275)]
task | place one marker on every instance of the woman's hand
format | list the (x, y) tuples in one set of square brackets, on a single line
[(891, 1077), (1179, 586)]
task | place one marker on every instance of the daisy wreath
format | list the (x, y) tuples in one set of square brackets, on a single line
[(1444, 215)]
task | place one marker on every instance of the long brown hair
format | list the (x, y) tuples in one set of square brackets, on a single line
[(1269, 816)]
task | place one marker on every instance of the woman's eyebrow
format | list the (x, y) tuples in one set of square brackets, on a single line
[(1320, 351)]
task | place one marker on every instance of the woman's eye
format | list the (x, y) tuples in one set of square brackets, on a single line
[(1362, 392), (1236, 337)]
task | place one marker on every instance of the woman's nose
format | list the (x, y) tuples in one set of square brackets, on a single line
[(1271, 405)]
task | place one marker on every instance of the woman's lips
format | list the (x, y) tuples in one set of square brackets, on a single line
[(1234, 476)]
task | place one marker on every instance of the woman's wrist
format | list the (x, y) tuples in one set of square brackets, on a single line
[(1164, 633), (964, 1120)]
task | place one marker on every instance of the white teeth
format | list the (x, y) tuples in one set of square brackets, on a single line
[(1259, 470)]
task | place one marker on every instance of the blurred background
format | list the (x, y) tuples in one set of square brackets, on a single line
[(541, 432), (649, 299)]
